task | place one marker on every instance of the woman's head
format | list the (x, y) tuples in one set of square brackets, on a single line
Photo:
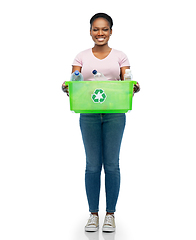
[(104, 16), (101, 28)]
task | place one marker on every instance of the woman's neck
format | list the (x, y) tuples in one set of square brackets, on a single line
[(104, 48)]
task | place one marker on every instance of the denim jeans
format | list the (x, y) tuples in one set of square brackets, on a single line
[(102, 135)]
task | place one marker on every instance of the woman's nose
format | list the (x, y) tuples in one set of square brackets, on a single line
[(100, 32)]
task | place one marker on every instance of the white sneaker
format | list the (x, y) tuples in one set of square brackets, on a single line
[(109, 224), (92, 224)]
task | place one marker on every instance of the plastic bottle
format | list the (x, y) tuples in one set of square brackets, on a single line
[(76, 76), (99, 76), (128, 75)]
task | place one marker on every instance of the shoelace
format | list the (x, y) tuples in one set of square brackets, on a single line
[(92, 220), (108, 220)]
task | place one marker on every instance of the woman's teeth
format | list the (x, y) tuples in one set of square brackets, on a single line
[(100, 39)]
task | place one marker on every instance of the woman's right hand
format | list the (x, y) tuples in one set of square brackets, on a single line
[(65, 89)]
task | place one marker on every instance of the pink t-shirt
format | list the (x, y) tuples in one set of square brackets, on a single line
[(109, 66)]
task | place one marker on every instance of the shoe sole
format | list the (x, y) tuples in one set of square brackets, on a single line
[(91, 229), (106, 229)]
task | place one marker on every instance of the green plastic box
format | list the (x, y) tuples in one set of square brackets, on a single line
[(100, 96)]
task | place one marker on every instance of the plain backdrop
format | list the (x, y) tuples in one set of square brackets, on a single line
[(42, 160)]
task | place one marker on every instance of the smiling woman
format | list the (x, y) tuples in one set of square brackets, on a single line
[(102, 133)]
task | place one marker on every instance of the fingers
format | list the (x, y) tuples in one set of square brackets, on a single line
[(64, 85), (136, 88), (65, 89)]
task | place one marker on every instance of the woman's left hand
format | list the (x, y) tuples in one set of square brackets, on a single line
[(65, 89), (136, 88)]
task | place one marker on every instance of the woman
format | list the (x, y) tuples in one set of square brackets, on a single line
[(102, 133)]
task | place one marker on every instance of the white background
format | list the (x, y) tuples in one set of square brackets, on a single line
[(42, 156)]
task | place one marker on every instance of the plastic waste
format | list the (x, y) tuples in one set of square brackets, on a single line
[(99, 76), (128, 75), (76, 76)]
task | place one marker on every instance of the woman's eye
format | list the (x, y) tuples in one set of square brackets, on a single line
[(105, 30)]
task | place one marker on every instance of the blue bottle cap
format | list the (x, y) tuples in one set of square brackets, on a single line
[(76, 72), (94, 72)]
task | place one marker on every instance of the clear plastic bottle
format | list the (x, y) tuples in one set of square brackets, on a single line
[(128, 75), (76, 76), (99, 76)]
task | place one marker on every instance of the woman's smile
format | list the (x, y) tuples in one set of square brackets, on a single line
[(101, 39)]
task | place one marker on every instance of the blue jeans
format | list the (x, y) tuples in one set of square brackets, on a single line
[(102, 135)]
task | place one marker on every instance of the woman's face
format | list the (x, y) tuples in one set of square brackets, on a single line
[(100, 31)]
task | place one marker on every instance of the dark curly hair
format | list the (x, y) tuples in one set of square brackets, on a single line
[(101, 15)]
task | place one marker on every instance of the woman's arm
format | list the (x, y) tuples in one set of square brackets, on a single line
[(74, 68)]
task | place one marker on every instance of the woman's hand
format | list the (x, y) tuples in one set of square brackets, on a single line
[(65, 89), (136, 88)]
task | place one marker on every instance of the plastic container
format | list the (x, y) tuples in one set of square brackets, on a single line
[(99, 76), (100, 96), (128, 75), (76, 76)]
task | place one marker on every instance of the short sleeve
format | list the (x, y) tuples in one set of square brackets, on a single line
[(124, 61), (78, 61)]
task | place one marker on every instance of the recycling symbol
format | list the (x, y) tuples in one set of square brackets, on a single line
[(98, 96)]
